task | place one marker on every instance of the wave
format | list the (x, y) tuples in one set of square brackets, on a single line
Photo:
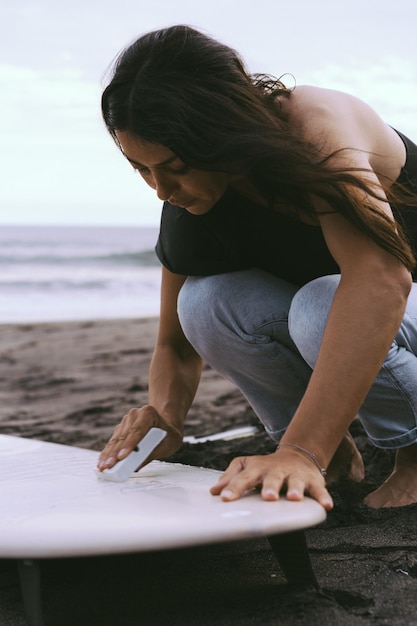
[(63, 273), (51, 285), (146, 258)]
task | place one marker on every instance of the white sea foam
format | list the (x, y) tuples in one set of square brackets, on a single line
[(50, 273)]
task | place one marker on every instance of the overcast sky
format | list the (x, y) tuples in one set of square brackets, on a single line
[(58, 165)]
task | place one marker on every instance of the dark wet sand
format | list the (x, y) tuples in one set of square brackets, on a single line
[(70, 383)]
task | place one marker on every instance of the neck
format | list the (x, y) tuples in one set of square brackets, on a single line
[(246, 189)]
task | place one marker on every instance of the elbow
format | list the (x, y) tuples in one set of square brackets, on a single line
[(388, 283), (408, 283), (403, 282), (395, 286)]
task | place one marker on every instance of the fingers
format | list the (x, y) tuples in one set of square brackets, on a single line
[(297, 480), (297, 489), (235, 468), (245, 473), (133, 427), (322, 496)]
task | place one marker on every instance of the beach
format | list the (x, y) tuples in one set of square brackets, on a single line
[(71, 382)]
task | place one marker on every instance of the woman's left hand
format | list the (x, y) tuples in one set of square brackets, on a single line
[(286, 470)]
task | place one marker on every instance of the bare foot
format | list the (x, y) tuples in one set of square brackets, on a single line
[(400, 489), (346, 462)]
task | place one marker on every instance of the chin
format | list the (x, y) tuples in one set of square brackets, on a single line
[(199, 208)]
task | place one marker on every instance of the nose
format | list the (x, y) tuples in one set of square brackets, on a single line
[(164, 186)]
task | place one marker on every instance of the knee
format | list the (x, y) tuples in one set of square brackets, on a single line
[(308, 315), (196, 303)]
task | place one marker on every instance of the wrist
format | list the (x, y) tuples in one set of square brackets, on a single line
[(308, 453)]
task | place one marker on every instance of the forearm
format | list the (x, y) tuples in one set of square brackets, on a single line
[(363, 321), (173, 382)]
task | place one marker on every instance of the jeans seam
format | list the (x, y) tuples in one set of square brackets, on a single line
[(288, 364), (279, 320)]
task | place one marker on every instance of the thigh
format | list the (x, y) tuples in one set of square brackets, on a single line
[(253, 304), (238, 323)]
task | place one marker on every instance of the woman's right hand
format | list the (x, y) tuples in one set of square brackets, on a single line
[(133, 427)]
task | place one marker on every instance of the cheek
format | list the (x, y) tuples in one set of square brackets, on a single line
[(214, 185)]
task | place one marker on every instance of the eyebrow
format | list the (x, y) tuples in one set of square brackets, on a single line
[(161, 164)]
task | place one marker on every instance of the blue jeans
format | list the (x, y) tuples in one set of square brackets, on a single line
[(264, 335)]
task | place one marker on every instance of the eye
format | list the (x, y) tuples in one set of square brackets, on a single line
[(180, 170), (141, 170)]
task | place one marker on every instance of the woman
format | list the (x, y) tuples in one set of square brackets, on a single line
[(286, 241)]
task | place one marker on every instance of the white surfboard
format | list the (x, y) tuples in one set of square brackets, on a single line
[(54, 505)]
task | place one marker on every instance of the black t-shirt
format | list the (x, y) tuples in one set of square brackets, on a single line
[(237, 234)]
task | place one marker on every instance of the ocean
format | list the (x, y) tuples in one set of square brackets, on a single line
[(57, 273)]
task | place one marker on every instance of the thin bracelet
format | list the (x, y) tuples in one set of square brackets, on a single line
[(311, 455)]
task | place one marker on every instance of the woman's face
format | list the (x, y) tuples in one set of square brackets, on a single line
[(194, 190)]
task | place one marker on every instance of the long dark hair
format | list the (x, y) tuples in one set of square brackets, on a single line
[(182, 89)]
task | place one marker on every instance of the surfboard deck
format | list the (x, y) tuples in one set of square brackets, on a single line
[(55, 506)]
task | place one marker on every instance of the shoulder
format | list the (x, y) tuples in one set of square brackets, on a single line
[(306, 98), (332, 120), (311, 104), (328, 116)]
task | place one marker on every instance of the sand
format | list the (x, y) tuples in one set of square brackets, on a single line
[(71, 382)]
